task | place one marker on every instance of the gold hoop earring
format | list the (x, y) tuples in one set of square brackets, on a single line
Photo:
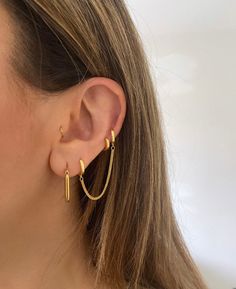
[(82, 169)]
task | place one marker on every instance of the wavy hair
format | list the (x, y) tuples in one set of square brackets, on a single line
[(133, 233)]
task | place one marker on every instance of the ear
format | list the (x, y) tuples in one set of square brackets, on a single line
[(90, 111)]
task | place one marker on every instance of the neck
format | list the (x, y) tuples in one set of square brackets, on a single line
[(41, 243)]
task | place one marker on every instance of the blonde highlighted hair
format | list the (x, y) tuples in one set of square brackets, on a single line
[(132, 230)]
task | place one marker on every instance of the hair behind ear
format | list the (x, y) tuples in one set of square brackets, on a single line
[(133, 234)]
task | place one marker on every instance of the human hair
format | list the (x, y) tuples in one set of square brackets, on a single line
[(133, 233)]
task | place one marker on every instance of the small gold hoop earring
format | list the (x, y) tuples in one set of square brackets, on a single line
[(82, 169)]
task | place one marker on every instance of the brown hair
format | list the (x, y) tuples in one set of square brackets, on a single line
[(135, 239)]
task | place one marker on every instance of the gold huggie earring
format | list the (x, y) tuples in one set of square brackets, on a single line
[(107, 145)]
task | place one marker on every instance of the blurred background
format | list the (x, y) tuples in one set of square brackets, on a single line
[(191, 47)]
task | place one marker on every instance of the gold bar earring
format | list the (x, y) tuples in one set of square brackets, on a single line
[(67, 175), (67, 185)]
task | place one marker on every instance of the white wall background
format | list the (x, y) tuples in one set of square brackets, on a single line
[(191, 47)]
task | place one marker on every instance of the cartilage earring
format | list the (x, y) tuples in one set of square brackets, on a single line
[(82, 168)]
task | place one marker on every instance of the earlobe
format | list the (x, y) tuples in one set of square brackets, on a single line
[(96, 107)]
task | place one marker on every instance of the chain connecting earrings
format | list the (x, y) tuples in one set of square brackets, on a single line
[(108, 144)]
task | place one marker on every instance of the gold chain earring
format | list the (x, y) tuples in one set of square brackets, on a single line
[(108, 145)]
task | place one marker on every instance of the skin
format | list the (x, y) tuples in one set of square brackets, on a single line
[(36, 224)]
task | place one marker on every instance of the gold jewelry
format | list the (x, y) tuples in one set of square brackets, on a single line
[(82, 169), (67, 175), (67, 184), (108, 144)]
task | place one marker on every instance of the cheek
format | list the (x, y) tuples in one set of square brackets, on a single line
[(17, 153), (23, 153), (15, 131)]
